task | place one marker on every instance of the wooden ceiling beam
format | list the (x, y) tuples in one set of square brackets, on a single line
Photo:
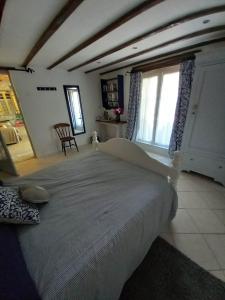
[(115, 24), (165, 44), (166, 26), (164, 55), (59, 19), (2, 5)]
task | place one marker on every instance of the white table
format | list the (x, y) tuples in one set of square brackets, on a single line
[(111, 129)]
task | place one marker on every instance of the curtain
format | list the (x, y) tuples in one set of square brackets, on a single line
[(134, 102), (184, 93)]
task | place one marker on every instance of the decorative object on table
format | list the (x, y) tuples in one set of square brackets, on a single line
[(118, 111), (65, 136), (112, 92), (34, 193), (95, 140)]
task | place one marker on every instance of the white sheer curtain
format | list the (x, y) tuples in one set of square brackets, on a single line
[(167, 106), (157, 108), (147, 109)]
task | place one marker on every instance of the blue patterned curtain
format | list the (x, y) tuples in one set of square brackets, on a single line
[(184, 93), (134, 103)]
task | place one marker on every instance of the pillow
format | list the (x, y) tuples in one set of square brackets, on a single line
[(15, 280), (34, 193), (13, 210)]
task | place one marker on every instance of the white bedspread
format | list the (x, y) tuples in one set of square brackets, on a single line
[(101, 220)]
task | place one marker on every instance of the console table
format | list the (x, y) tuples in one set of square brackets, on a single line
[(111, 129)]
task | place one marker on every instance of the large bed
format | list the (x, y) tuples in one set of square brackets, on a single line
[(105, 210)]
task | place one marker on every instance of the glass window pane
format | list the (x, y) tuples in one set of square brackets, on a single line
[(167, 106), (147, 109)]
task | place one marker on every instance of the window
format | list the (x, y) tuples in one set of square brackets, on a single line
[(158, 104), (74, 106)]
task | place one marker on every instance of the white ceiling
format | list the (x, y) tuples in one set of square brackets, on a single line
[(24, 21)]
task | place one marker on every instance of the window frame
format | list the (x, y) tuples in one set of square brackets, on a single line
[(159, 73), (65, 87)]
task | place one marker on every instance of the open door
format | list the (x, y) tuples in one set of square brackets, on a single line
[(12, 124), (6, 163)]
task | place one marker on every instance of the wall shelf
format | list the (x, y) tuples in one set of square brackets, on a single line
[(113, 92)]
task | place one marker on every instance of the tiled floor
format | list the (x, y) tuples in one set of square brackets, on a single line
[(198, 229), (29, 166)]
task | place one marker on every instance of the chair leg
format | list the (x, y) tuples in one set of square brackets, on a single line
[(76, 144), (64, 149), (70, 143)]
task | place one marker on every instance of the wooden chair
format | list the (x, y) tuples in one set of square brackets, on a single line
[(64, 133)]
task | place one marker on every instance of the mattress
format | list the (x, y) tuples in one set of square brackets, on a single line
[(101, 220)]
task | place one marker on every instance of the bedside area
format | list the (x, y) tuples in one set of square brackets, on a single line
[(109, 129)]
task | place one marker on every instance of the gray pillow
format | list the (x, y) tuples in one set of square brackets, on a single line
[(34, 193), (14, 210)]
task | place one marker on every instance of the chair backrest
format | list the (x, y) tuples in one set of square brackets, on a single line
[(63, 130)]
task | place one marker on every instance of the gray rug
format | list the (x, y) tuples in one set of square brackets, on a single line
[(167, 274)]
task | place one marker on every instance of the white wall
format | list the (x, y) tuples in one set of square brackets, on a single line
[(42, 109)]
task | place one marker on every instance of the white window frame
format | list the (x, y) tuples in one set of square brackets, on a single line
[(158, 149)]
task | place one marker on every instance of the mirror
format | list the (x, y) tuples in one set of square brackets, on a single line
[(74, 106)]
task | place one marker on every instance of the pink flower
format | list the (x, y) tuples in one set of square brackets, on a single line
[(118, 111)]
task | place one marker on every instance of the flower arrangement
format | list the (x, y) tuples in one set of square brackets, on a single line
[(118, 111)]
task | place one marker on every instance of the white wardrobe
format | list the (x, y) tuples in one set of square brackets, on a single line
[(203, 145)]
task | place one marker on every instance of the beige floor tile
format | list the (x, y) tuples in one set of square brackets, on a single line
[(217, 244), (190, 200), (213, 199), (220, 187), (184, 186), (182, 223), (206, 221), (221, 215), (219, 274), (195, 247)]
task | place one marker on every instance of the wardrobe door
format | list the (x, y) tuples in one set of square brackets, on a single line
[(204, 138), (208, 132)]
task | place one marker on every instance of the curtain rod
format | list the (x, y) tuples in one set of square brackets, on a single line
[(165, 62), (7, 68)]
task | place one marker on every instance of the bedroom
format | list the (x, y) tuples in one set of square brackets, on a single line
[(136, 40)]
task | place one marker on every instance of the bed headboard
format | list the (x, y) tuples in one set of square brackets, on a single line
[(128, 151)]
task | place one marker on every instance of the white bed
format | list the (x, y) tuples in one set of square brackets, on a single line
[(105, 211)]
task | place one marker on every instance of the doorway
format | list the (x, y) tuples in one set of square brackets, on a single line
[(12, 126)]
